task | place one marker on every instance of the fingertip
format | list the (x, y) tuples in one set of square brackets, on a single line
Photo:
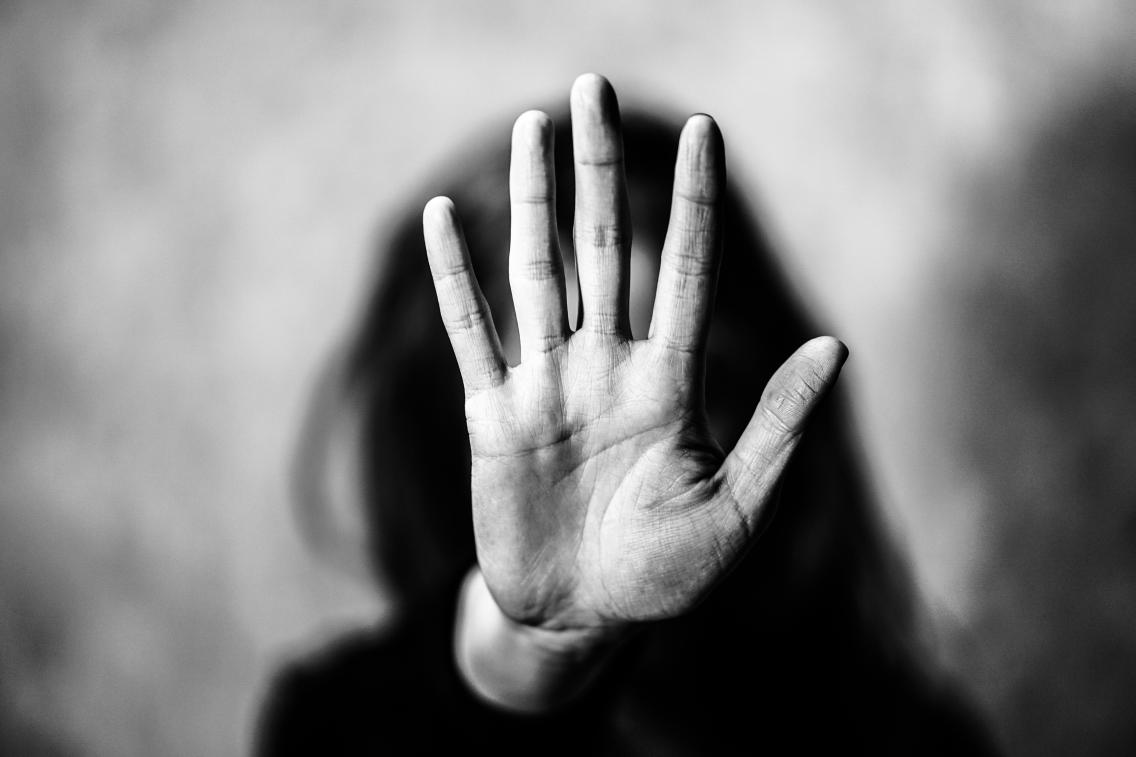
[(702, 130), (593, 97), (827, 351), (533, 128), (701, 158), (842, 349), (439, 219), (819, 361), (590, 87), (438, 208), (702, 125), (789, 399)]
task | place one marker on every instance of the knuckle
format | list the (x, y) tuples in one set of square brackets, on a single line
[(779, 416), (544, 343), (540, 268), (789, 402), (684, 288), (602, 321), (601, 158), (697, 194), (811, 378), (534, 197), (602, 236), (692, 258), (680, 344), (466, 321), (448, 270)]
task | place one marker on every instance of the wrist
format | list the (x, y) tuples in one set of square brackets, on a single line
[(523, 668)]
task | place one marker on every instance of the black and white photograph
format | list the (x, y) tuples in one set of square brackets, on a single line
[(584, 378)]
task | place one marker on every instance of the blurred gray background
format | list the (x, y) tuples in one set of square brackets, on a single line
[(189, 198)]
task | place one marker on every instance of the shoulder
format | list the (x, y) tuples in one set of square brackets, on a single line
[(354, 694), (399, 691)]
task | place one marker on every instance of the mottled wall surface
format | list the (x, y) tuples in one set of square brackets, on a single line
[(189, 195)]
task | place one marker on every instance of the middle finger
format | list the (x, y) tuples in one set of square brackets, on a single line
[(602, 228)]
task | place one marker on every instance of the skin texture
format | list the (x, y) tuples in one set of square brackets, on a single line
[(600, 499)]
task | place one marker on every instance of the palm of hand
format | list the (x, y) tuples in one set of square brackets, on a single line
[(594, 482), (599, 496)]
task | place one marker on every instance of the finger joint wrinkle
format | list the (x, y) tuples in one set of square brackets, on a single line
[(542, 268), (604, 236), (783, 413), (691, 260), (467, 320), (700, 197), (447, 272), (535, 198), (600, 160)]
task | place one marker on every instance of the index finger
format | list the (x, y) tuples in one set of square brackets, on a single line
[(465, 312)]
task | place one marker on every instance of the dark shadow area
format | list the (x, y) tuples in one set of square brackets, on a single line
[(1046, 418)]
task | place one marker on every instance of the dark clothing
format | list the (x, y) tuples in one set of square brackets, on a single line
[(687, 687)]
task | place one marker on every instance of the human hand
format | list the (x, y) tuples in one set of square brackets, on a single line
[(600, 498)]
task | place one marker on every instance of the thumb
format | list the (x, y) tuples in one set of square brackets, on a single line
[(752, 469)]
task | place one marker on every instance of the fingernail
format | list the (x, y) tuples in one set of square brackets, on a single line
[(594, 99), (533, 129), (701, 147)]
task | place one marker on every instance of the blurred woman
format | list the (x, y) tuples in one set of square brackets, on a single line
[(566, 520)]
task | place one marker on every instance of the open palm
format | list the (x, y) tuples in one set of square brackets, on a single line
[(599, 496)]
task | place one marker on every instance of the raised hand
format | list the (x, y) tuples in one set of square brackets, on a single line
[(600, 499)]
